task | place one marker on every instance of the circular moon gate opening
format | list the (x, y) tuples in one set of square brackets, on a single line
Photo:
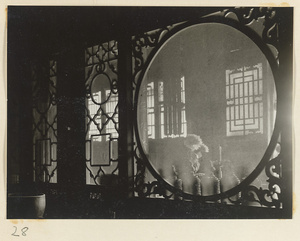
[(206, 109)]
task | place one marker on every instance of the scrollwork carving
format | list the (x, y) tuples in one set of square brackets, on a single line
[(144, 44), (140, 44), (140, 175), (271, 197), (147, 189), (247, 15)]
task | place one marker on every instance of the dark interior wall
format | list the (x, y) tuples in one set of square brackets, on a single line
[(19, 118), (54, 28)]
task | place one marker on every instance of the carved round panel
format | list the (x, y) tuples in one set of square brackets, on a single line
[(206, 109)]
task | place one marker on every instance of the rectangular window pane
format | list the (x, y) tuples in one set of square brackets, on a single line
[(247, 93)]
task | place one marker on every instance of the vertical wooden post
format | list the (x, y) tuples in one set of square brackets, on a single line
[(286, 95), (71, 124), (125, 113)]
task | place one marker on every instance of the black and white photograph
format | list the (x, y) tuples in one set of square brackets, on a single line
[(149, 112)]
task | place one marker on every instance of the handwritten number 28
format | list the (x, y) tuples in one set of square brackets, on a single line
[(23, 231)]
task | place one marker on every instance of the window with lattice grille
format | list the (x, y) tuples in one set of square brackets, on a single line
[(167, 117), (244, 101)]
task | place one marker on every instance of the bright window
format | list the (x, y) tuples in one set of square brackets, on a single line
[(244, 101), (167, 117)]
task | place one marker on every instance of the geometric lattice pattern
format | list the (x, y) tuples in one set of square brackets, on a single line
[(173, 122), (45, 123), (150, 110), (102, 121), (244, 96), (167, 118)]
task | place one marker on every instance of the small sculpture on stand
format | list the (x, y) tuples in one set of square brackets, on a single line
[(223, 172), (196, 147)]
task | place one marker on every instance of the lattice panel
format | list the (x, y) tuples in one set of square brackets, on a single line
[(45, 123), (244, 99), (142, 46), (244, 116), (102, 121), (266, 189)]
